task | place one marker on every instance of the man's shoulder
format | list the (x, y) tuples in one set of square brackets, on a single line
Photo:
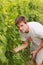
[(33, 23)]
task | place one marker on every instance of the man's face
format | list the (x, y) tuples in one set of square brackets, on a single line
[(23, 27)]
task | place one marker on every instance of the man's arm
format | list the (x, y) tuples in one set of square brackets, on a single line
[(34, 53), (40, 46), (23, 46)]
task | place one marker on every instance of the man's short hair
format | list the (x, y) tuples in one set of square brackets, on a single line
[(20, 19)]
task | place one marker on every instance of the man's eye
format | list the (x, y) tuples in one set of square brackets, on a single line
[(21, 25)]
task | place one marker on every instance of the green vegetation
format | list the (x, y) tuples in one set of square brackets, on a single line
[(9, 35)]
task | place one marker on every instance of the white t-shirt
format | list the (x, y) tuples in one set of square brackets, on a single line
[(34, 35)]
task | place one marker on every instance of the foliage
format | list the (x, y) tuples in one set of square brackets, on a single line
[(9, 34)]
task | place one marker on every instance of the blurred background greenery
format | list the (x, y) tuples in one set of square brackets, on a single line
[(9, 35)]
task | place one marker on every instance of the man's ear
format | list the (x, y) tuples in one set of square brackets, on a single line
[(25, 22)]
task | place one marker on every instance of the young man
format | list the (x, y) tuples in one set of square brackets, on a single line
[(33, 32)]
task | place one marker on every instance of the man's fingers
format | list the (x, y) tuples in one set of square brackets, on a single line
[(11, 51)]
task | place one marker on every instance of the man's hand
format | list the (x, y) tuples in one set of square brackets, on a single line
[(33, 53), (16, 49)]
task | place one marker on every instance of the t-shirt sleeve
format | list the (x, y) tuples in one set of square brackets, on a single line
[(39, 31), (22, 36), (40, 34)]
